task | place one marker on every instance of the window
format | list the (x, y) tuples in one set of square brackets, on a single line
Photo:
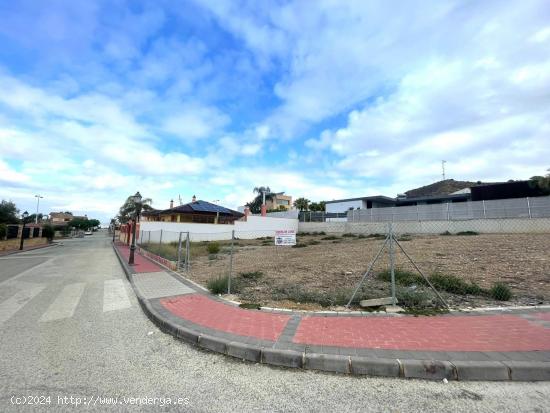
[(283, 202)]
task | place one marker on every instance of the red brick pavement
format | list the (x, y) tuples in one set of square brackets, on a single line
[(141, 264), (456, 333), (543, 316), (212, 314)]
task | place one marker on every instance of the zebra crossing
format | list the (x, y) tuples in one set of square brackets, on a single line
[(65, 304)]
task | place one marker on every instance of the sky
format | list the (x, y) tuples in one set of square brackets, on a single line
[(319, 99)]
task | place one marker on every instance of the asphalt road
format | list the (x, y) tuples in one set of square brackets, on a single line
[(70, 326)]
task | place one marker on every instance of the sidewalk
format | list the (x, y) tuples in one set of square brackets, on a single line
[(493, 346)]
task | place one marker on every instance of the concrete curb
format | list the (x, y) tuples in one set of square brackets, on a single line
[(38, 247), (355, 365)]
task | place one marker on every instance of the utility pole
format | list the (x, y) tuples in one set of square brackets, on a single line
[(37, 205), (443, 168)]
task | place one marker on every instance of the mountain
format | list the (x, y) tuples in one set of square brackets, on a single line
[(445, 187)]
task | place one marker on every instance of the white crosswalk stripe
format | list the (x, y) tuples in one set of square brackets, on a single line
[(13, 304), (65, 303), (115, 296)]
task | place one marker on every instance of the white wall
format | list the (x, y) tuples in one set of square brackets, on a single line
[(254, 227), (343, 206), (487, 226)]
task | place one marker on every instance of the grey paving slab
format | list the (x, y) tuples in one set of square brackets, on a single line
[(159, 284)]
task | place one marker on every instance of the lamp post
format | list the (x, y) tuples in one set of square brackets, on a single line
[(137, 204), (24, 216), (113, 224), (37, 205)]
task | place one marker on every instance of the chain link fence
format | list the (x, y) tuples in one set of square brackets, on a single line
[(323, 269), (538, 207)]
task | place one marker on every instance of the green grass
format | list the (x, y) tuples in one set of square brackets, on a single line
[(454, 285), (213, 248), (442, 282), (250, 306), (405, 237), (218, 285), (252, 275), (298, 294), (401, 277), (500, 291)]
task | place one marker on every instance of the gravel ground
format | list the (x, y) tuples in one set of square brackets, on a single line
[(522, 261)]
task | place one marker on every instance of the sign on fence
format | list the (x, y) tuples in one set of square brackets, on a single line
[(285, 237)]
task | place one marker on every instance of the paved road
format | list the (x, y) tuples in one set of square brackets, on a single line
[(70, 326)]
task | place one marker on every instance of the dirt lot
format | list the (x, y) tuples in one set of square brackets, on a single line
[(294, 277)]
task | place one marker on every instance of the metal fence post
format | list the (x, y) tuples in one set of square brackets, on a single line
[(231, 262), (179, 254), (528, 207), (448, 212), (187, 252), (149, 240), (392, 264), (160, 238), (484, 209)]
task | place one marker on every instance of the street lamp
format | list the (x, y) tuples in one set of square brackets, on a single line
[(37, 205), (113, 227), (24, 216), (137, 205)]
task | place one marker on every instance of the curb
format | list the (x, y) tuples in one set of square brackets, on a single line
[(349, 365), (18, 251)]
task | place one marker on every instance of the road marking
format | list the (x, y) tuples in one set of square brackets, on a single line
[(115, 296), (27, 271), (65, 303), (13, 304)]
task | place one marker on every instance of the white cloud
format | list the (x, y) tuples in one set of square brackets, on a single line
[(11, 176), (194, 122)]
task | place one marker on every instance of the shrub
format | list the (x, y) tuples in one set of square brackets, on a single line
[(500, 291), (3, 231), (302, 233), (299, 245), (329, 238), (213, 248), (377, 236), (321, 233), (361, 236), (47, 232), (252, 275), (467, 233), (446, 233), (405, 237), (401, 277), (454, 285), (348, 235), (314, 242), (412, 299), (218, 285)]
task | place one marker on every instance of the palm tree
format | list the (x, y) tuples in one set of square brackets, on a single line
[(302, 204), (265, 191), (256, 204), (127, 210)]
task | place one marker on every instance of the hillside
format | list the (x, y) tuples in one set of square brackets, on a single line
[(445, 187)]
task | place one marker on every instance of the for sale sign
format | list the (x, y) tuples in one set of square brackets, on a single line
[(285, 237)]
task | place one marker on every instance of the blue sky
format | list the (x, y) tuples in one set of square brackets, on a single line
[(324, 99)]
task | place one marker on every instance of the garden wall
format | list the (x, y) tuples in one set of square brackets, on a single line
[(482, 226), (254, 227)]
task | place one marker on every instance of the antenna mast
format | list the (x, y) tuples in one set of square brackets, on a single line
[(443, 169)]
